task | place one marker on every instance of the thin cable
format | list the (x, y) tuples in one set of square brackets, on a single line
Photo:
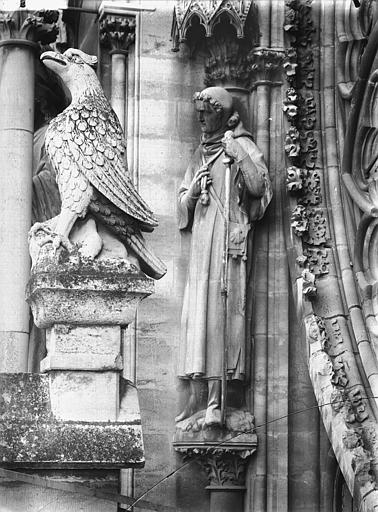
[(83, 490), (251, 431)]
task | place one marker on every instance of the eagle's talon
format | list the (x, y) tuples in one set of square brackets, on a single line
[(39, 226), (60, 240), (51, 237)]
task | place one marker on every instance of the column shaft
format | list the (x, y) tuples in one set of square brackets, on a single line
[(16, 153), (226, 500), (119, 80)]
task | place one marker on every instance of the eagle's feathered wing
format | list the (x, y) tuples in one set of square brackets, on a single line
[(86, 147)]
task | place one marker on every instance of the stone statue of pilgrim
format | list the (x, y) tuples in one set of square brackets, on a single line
[(204, 343)]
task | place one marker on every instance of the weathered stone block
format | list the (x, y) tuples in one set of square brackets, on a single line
[(83, 348), (31, 435), (84, 396), (77, 291)]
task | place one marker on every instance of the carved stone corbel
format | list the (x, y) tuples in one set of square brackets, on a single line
[(222, 453), (226, 471)]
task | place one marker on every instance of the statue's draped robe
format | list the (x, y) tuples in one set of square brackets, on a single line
[(202, 323)]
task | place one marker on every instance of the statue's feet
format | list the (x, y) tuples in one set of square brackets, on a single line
[(193, 423), (213, 417), (186, 413)]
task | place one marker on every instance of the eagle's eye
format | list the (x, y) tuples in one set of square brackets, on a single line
[(76, 59)]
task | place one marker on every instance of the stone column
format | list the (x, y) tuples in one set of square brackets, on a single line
[(266, 69), (118, 34), (19, 33)]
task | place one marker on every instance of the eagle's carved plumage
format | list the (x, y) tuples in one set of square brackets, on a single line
[(86, 147)]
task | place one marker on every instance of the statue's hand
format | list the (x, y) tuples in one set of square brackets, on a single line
[(231, 147), (194, 189)]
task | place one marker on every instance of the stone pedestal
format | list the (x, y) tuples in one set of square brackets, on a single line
[(222, 452), (84, 304)]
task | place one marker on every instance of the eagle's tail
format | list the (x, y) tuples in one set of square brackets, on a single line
[(128, 231), (150, 264)]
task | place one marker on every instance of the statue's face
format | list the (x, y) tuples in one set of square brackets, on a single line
[(210, 120)]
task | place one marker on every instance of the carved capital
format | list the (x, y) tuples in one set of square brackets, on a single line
[(224, 468), (265, 64), (39, 26), (222, 452), (117, 32)]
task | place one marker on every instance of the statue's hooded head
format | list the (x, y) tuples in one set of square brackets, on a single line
[(215, 110)]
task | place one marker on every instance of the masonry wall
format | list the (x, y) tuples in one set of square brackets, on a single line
[(300, 467), (168, 135)]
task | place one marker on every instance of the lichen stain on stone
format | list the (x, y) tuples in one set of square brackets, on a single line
[(30, 434), (70, 442), (71, 272), (24, 396)]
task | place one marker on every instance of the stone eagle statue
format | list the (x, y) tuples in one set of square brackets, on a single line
[(87, 150)]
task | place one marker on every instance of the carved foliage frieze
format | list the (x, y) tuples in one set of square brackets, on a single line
[(304, 180), (317, 259), (224, 468), (294, 179), (344, 407), (345, 400), (299, 221)]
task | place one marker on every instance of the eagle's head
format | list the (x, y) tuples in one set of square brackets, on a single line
[(74, 67)]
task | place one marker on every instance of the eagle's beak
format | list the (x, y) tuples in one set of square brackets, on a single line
[(56, 57)]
